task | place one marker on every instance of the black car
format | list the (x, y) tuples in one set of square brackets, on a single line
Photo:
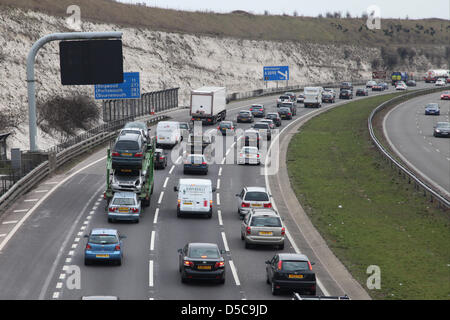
[(160, 159), (285, 113), (346, 94), (442, 129), (291, 272), (411, 83), (195, 163), (328, 97), (258, 110), (275, 117), (264, 128), (251, 138), (128, 151), (245, 116), (202, 261), (290, 105), (362, 92), (226, 126)]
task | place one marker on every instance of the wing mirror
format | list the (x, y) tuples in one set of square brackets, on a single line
[(214, 189), (122, 237), (175, 188)]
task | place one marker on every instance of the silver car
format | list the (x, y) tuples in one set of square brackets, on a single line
[(124, 206), (263, 227), (253, 197)]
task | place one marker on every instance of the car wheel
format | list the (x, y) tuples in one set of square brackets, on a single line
[(267, 278), (178, 213), (119, 263), (281, 246), (222, 281), (275, 291), (247, 245), (184, 280), (87, 262), (110, 220)]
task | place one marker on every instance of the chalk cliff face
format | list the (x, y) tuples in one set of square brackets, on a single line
[(165, 60)]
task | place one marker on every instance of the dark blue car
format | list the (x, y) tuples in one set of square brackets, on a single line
[(195, 163), (103, 245)]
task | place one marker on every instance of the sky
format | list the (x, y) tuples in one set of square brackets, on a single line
[(413, 9)]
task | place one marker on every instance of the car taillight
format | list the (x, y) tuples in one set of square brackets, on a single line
[(203, 163), (268, 205), (245, 205), (205, 203), (280, 264), (283, 231), (218, 128), (115, 154), (309, 265), (178, 205), (219, 264), (117, 248), (249, 230), (289, 114), (88, 246), (260, 109), (188, 263), (112, 209), (257, 155), (138, 154), (161, 158), (134, 210)]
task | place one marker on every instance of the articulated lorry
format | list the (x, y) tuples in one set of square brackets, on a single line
[(399, 76), (139, 180), (433, 75), (208, 104)]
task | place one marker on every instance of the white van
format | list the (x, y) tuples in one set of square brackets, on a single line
[(195, 197), (313, 97), (168, 133)]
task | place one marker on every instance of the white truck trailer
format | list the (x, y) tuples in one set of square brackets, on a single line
[(313, 97), (208, 104)]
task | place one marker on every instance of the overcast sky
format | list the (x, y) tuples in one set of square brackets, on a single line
[(414, 9)]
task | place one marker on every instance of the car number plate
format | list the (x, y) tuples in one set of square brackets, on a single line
[(102, 255), (189, 203), (296, 276), (265, 233), (123, 209), (256, 205), (204, 267), (126, 154)]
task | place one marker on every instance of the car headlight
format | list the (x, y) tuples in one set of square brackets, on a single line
[(437, 130)]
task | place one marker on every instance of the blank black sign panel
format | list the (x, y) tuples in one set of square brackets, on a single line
[(91, 62)]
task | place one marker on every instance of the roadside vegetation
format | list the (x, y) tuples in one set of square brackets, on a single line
[(365, 212)]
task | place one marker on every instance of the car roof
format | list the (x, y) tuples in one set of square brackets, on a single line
[(159, 150), (249, 147), (203, 245), (124, 194), (257, 105), (196, 181), (256, 189), (293, 256), (274, 113), (265, 212), (266, 120), (244, 111), (104, 231), (135, 124), (129, 136)]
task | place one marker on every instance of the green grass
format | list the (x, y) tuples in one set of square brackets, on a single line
[(383, 220)]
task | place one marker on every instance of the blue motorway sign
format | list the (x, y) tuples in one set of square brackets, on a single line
[(276, 73), (129, 89)]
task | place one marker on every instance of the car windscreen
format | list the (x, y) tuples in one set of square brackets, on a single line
[(184, 126), (126, 145), (195, 159), (204, 253), (250, 150), (256, 196), (432, 105), (294, 265), (103, 239), (261, 126), (285, 109), (225, 125), (123, 202), (443, 125), (272, 116), (285, 97), (265, 222)]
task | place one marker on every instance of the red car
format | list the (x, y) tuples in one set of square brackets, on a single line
[(445, 95)]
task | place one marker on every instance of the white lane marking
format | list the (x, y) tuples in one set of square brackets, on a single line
[(21, 210), (160, 197), (2, 235), (92, 212), (152, 241), (74, 245), (171, 169), (10, 222), (220, 171), (219, 215), (218, 199), (40, 201), (155, 220), (54, 182), (68, 260), (229, 150), (77, 239), (165, 182), (234, 272), (225, 243), (59, 285), (233, 144), (80, 234), (223, 160), (83, 228), (65, 268), (55, 295), (178, 160), (71, 252), (218, 184), (41, 191), (150, 273), (62, 276)]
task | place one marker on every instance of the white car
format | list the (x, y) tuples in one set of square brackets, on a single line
[(401, 86), (253, 197), (249, 155), (371, 83), (440, 82)]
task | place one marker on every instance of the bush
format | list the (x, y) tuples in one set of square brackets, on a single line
[(67, 114), (10, 118), (389, 57)]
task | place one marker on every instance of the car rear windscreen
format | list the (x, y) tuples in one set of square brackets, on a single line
[(204, 253), (295, 265), (127, 145), (225, 125), (265, 222), (103, 239), (261, 126), (123, 202), (256, 196)]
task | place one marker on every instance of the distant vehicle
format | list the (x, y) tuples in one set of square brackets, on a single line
[(411, 83), (160, 159), (282, 99), (252, 138), (245, 116), (313, 97), (275, 117), (226, 127), (263, 227), (346, 94), (401, 86), (399, 76), (433, 75), (285, 113), (445, 95), (362, 92), (378, 87), (139, 125), (128, 150), (103, 245), (370, 84), (440, 83), (292, 96), (291, 271), (442, 129), (194, 197), (185, 130), (346, 86), (195, 163), (432, 109), (291, 105), (201, 261), (328, 96), (249, 155), (258, 110), (300, 98), (264, 129), (384, 85), (124, 206), (208, 104), (168, 134), (252, 197), (270, 122)]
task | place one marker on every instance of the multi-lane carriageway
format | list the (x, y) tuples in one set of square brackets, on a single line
[(41, 236)]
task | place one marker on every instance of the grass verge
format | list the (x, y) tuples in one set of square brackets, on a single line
[(365, 212)]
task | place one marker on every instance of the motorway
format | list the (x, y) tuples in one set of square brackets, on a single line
[(41, 236), (410, 133)]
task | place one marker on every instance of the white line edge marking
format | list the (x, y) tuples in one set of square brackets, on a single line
[(165, 182), (152, 241), (161, 197), (171, 169), (220, 171), (150, 273), (225, 243), (218, 184), (219, 216), (234, 272), (155, 220), (218, 199)]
